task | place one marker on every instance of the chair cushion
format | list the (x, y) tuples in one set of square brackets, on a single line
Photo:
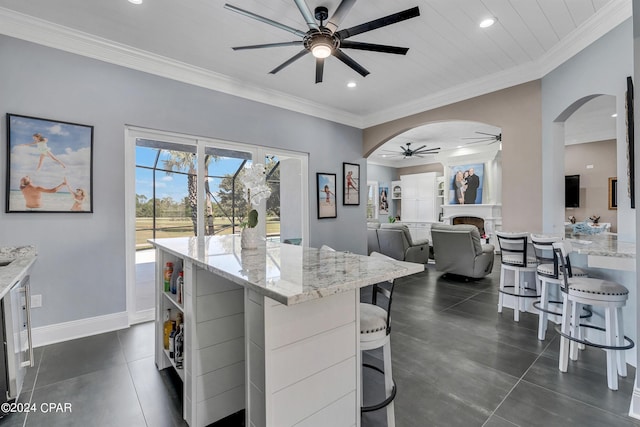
[(517, 258), (372, 318), (547, 270), (597, 289)]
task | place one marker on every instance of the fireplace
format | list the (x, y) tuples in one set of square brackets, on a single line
[(473, 220)]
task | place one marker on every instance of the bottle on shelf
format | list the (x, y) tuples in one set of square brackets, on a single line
[(172, 343), (179, 347), (174, 284), (180, 286), (168, 272), (168, 327)]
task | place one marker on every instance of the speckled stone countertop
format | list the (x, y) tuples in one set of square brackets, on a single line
[(285, 273), (20, 259), (602, 245)]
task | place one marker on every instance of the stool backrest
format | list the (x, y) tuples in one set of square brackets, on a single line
[(543, 248), (386, 290), (514, 248), (561, 252)]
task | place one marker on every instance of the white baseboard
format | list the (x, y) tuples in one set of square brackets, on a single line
[(634, 410), (66, 331)]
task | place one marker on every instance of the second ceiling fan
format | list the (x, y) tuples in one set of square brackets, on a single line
[(323, 40)]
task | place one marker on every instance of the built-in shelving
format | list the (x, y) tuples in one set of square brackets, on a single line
[(396, 189), (173, 298), (179, 371)]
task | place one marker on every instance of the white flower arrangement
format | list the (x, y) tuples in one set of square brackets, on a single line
[(254, 181)]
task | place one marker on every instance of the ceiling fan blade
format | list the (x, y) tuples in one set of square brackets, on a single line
[(289, 61), (350, 62), (419, 148), (428, 151), (341, 11), (306, 14), (262, 46), (374, 47), (319, 69), (265, 20), (380, 22), (485, 133)]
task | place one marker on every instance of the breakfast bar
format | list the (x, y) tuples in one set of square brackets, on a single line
[(273, 330)]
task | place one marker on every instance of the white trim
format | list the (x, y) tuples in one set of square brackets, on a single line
[(60, 332), (142, 316), (21, 26)]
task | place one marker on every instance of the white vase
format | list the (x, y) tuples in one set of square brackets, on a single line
[(249, 238)]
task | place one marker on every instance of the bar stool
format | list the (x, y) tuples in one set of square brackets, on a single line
[(548, 273), (375, 330), (517, 255), (611, 296)]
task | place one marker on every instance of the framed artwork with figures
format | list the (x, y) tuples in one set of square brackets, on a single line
[(49, 166), (350, 184), (326, 195)]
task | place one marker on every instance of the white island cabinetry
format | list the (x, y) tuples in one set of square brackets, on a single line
[(274, 330)]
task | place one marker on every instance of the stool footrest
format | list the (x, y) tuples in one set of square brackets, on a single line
[(630, 342), (525, 295), (384, 402), (587, 313)]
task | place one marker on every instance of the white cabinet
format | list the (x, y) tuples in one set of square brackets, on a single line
[(419, 201)]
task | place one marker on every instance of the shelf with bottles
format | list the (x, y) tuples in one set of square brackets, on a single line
[(179, 371), (173, 298)]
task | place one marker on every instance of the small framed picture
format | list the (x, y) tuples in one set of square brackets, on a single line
[(326, 197), (383, 199), (350, 184), (49, 166), (613, 193)]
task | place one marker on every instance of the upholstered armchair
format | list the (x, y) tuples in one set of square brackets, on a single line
[(396, 242), (458, 250)]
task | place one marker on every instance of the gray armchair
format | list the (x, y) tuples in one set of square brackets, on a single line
[(396, 242), (458, 250)]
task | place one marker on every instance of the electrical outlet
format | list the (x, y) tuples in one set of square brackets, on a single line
[(36, 301)]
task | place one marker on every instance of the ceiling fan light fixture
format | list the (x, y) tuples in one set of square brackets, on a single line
[(321, 50), (486, 23), (351, 84), (135, 1)]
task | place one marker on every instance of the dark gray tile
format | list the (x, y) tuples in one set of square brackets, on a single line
[(30, 377), (12, 419), (585, 385), (159, 393), (137, 341), (496, 421), (531, 405), (103, 398), (73, 358)]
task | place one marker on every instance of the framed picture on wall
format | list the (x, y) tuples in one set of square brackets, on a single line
[(613, 193), (383, 200), (350, 184), (49, 166), (326, 195), (467, 184)]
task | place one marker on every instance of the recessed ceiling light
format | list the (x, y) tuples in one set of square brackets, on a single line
[(614, 115), (135, 1), (351, 84), (487, 22), (459, 146)]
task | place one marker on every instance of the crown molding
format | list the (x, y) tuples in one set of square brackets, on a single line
[(18, 25), (21, 26)]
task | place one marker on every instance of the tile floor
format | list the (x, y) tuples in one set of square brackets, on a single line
[(456, 363)]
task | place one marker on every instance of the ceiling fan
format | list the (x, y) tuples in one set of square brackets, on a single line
[(323, 40), (409, 152), (486, 137)]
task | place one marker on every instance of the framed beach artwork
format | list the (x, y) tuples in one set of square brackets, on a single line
[(383, 200), (326, 195), (350, 184), (466, 184), (49, 165)]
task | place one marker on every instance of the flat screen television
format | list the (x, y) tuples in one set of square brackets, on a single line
[(572, 191)]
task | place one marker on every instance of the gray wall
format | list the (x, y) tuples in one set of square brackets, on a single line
[(594, 180), (81, 265), (601, 68)]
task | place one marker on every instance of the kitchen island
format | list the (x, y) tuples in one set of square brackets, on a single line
[(274, 330)]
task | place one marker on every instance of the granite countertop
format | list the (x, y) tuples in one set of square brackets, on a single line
[(288, 274), (21, 260), (603, 244)]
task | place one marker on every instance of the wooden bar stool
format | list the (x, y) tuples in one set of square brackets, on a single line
[(518, 256), (548, 274), (610, 296)]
